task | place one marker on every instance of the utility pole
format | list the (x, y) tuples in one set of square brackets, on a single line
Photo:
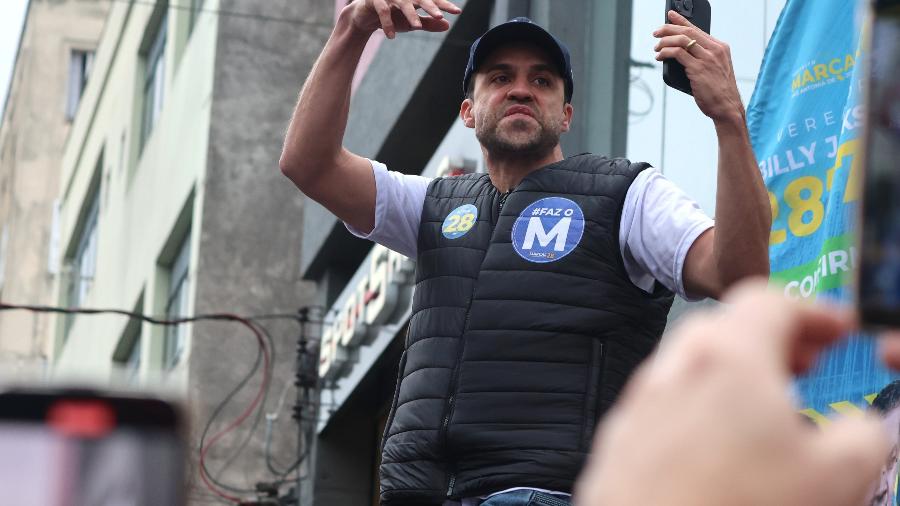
[(306, 410)]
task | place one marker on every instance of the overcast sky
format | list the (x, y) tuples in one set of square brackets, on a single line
[(11, 15)]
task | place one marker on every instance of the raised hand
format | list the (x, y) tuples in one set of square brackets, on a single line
[(396, 16), (707, 62)]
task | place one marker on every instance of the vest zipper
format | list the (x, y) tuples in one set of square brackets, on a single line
[(452, 483), (503, 198), (445, 423), (454, 380)]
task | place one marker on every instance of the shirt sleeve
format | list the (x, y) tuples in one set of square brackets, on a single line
[(659, 225), (398, 210)]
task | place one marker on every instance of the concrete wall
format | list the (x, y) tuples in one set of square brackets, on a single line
[(32, 134), (252, 226)]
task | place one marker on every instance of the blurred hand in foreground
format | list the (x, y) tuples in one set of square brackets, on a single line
[(710, 420)]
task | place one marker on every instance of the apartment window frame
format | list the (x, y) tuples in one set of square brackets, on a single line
[(83, 263), (133, 362), (128, 354), (196, 8), (153, 90), (177, 303), (81, 62)]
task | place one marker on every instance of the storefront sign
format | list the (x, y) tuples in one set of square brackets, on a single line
[(376, 296)]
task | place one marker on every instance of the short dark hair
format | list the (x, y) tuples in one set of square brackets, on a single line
[(888, 398)]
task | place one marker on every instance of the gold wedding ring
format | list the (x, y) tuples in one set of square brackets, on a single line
[(690, 44)]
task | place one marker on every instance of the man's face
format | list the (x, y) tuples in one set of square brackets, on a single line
[(518, 107), (884, 491)]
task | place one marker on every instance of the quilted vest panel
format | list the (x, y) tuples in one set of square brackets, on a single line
[(525, 327)]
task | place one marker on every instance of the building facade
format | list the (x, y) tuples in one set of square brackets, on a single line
[(171, 204), (622, 108), (53, 65)]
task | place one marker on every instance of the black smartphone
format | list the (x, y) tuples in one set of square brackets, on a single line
[(698, 12), (82, 448), (878, 273)]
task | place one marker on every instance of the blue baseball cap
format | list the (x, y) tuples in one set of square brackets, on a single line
[(520, 29)]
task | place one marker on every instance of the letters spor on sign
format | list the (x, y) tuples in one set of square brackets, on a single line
[(365, 307)]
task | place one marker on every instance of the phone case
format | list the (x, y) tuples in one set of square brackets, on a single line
[(698, 12)]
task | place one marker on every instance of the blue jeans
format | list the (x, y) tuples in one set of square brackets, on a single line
[(526, 498)]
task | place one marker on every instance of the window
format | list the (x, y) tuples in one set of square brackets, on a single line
[(127, 355), (154, 79), (177, 303), (80, 63), (196, 9), (83, 263), (132, 363)]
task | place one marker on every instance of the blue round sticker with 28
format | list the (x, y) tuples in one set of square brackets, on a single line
[(459, 221), (548, 230)]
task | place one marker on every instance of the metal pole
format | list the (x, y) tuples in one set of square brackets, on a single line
[(306, 410)]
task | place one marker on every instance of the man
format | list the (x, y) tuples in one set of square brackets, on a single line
[(711, 422), (887, 404), (540, 285)]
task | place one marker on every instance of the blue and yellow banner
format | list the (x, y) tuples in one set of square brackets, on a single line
[(805, 121)]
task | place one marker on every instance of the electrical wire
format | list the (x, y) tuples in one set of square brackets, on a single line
[(296, 465), (221, 406), (266, 355), (270, 422), (240, 419), (636, 80), (302, 318), (243, 445), (217, 411), (262, 350)]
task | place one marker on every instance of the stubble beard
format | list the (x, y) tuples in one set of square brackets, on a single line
[(518, 138)]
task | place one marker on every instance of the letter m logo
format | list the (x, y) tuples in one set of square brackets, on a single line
[(558, 233)]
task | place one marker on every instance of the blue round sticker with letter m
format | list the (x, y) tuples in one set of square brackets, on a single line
[(459, 221), (548, 230)]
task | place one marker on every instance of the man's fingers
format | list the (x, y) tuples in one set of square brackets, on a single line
[(384, 16), (681, 54), (448, 6), (672, 41), (403, 15), (682, 27), (849, 453), (785, 330), (680, 20), (432, 9), (412, 17), (436, 8), (430, 24)]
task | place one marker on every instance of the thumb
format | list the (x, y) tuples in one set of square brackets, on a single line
[(851, 454)]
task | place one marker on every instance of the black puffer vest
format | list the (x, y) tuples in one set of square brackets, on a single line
[(519, 339)]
